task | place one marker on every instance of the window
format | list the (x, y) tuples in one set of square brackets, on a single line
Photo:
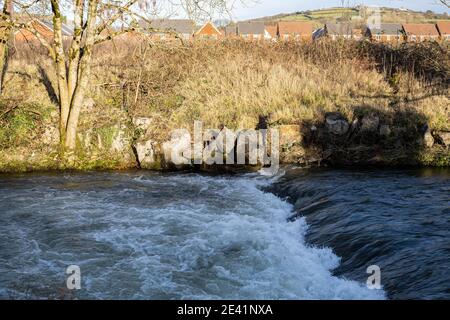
[(257, 36), (413, 38)]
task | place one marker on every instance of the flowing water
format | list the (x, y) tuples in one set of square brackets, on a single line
[(142, 235)]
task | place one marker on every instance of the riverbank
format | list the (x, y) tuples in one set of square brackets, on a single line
[(334, 103)]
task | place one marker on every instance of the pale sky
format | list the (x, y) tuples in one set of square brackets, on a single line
[(264, 8)]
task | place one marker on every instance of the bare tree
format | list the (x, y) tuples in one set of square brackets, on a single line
[(5, 36), (91, 18)]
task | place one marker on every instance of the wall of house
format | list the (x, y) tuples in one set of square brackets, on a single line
[(169, 36), (420, 38), (292, 37), (209, 32), (384, 38), (252, 37)]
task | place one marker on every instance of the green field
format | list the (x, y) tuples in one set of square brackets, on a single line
[(388, 15)]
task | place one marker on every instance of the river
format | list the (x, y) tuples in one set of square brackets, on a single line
[(147, 235)]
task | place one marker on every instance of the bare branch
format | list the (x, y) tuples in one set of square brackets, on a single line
[(445, 3)]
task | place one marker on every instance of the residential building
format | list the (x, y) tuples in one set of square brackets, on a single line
[(386, 32), (444, 29), (252, 30), (44, 28), (292, 30), (167, 29), (338, 31), (415, 32), (208, 31)]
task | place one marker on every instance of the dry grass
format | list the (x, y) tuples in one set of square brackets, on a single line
[(232, 83)]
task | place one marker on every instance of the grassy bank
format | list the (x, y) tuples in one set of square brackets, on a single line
[(230, 84)]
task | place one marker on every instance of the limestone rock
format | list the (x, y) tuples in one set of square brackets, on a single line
[(370, 123), (385, 130), (443, 138), (428, 139), (226, 141), (145, 154), (176, 151), (336, 124), (120, 141), (142, 123)]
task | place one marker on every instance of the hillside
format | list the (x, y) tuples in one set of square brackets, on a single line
[(389, 15)]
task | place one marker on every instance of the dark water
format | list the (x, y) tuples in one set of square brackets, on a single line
[(140, 235), (396, 219)]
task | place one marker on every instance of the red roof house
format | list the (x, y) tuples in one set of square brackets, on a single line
[(292, 30), (416, 32), (444, 29), (208, 31)]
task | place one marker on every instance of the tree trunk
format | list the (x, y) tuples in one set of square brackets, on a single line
[(60, 60), (74, 52), (83, 76), (5, 37)]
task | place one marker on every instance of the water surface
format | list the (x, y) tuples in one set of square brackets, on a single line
[(141, 235)]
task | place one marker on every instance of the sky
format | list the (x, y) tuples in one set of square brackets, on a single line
[(262, 8)]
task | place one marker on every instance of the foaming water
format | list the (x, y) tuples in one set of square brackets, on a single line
[(160, 236)]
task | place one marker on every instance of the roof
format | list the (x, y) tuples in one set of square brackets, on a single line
[(339, 29), (425, 29), (251, 27), (444, 27), (182, 26), (387, 29), (292, 27), (66, 30)]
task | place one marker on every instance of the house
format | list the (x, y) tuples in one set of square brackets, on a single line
[(272, 30), (252, 30), (208, 31), (230, 31), (444, 29), (167, 29), (291, 30), (420, 32), (44, 28), (339, 31), (387, 32)]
